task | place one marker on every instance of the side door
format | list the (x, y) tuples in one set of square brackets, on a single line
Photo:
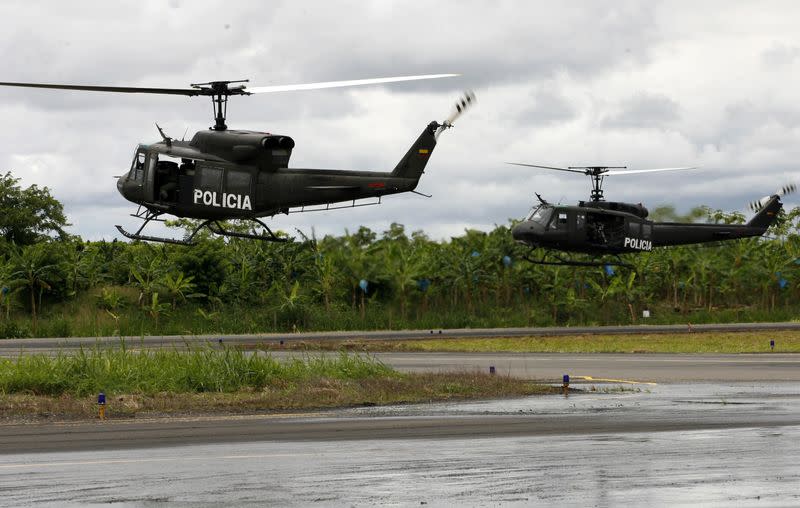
[(239, 189), (578, 229), (637, 235), (559, 226), (207, 184)]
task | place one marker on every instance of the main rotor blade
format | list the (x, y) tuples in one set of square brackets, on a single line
[(338, 84), (546, 167), (117, 89), (654, 170)]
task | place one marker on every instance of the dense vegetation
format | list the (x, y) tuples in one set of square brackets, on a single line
[(54, 284)]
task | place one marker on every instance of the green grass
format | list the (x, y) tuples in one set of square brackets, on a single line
[(207, 381), (735, 342), (90, 371)]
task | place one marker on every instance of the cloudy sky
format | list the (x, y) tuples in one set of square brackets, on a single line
[(643, 84)]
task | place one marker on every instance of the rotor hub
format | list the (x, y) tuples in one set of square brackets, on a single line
[(596, 174), (219, 91)]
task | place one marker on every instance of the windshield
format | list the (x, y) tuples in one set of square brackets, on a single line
[(540, 214), (137, 166)]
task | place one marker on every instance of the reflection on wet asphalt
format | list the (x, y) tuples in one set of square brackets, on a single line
[(736, 464)]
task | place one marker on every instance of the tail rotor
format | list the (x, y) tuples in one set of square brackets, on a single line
[(461, 105), (758, 205)]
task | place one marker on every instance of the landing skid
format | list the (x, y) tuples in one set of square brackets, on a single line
[(148, 238), (216, 228), (213, 225), (572, 262)]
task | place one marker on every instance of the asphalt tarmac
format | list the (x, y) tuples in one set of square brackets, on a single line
[(624, 368), (685, 444), (9, 347), (713, 430)]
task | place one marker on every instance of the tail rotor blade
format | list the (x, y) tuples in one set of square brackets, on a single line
[(461, 105), (756, 206), (787, 189)]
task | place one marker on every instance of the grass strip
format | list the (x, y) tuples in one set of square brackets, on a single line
[(110, 370), (228, 381), (694, 342)]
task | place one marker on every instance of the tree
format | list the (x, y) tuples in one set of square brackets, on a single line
[(10, 283), (34, 267), (207, 264), (28, 215), (402, 267)]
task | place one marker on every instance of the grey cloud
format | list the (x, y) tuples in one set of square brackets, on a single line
[(490, 43), (780, 54), (644, 111), (745, 117), (504, 49), (137, 44), (546, 107)]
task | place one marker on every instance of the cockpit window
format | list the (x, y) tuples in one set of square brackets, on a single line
[(137, 166), (540, 214)]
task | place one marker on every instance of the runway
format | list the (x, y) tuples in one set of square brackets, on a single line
[(661, 368), (13, 346), (710, 444), (714, 430)]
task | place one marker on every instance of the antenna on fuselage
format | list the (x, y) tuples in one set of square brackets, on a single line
[(167, 139)]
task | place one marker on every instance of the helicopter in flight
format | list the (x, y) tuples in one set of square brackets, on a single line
[(223, 174), (600, 228)]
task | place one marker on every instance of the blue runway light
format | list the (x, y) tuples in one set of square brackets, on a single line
[(475, 254), (566, 379), (507, 261), (101, 406), (609, 270), (363, 284)]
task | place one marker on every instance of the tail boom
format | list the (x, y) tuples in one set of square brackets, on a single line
[(672, 233)]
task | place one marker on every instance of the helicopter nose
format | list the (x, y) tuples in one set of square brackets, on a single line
[(523, 232)]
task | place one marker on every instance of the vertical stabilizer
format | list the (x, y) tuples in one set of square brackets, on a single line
[(412, 165)]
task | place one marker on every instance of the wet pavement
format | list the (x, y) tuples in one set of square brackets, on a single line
[(678, 444)]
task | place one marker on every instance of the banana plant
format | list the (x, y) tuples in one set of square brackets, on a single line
[(178, 287), (34, 268)]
